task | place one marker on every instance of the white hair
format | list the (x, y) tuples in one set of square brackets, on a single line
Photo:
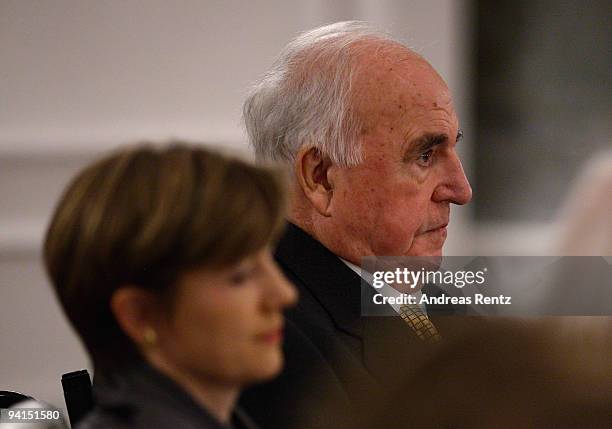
[(305, 98)]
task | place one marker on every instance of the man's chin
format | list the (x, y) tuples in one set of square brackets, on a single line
[(427, 249)]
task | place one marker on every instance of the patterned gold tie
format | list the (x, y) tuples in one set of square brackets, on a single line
[(414, 316)]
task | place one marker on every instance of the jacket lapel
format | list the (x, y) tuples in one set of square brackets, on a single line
[(338, 289), (334, 285)]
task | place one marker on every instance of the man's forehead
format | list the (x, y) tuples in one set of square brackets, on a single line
[(393, 60), (403, 78)]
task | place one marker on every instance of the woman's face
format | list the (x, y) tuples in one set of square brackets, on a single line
[(226, 325)]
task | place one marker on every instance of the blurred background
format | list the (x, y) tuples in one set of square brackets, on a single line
[(531, 81)]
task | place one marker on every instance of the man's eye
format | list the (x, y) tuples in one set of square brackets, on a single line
[(426, 158)]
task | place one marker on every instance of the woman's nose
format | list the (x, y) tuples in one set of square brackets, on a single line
[(281, 292)]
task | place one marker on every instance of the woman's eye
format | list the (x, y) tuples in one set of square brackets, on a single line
[(241, 275), (426, 158), (238, 278)]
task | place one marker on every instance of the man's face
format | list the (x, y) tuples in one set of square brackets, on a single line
[(397, 201)]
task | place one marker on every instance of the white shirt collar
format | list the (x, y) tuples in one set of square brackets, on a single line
[(385, 290)]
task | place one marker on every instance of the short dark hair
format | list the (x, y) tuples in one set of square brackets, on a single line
[(144, 215)]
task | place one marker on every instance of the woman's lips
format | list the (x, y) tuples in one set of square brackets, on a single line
[(272, 337)]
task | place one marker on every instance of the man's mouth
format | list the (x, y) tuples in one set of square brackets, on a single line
[(440, 228)]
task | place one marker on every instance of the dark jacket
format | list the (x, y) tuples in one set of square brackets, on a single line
[(142, 397), (335, 360)]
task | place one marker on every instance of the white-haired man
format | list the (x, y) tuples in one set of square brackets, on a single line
[(369, 132)]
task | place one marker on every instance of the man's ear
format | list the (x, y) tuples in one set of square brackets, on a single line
[(135, 311), (312, 171)]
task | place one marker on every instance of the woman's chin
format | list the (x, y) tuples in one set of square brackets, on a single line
[(273, 365), (269, 366)]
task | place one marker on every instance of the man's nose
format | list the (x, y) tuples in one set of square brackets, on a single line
[(454, 186)]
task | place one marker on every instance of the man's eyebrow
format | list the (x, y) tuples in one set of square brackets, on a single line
[(427, 141)]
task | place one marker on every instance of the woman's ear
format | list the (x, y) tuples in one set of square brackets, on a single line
[(312, 171), (135, 311)]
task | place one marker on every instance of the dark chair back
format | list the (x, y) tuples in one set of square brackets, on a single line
[(8, 398), (77, 394)]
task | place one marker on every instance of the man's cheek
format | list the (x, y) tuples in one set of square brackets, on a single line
[(395, 234), (394, 244)]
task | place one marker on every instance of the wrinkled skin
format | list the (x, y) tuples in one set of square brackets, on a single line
[(397, 201)]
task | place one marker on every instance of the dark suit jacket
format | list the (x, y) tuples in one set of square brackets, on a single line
[(140, 397), (335, 360)]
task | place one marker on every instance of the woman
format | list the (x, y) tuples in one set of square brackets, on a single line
[(161, 260)]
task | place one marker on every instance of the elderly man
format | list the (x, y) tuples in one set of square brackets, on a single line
[(369, 132)]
